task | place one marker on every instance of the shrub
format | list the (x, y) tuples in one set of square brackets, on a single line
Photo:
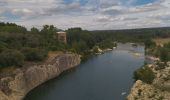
[(160, 65), (11, 58), (2, 46), (149, 43), (34, 54), (164, 54), (144, 74), (167, 78), (161, 98), (96, 49)]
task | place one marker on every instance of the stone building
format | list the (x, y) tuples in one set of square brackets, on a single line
[(62, 37)]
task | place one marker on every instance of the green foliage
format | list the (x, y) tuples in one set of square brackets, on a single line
[(34, 54), (58, 47), (2, 46), (107, 44), (79, 46), (11, 58), (145, 74), (149, 43), (18, 38), (164, 54), (80, 40), (33, 45), (12, 28), (34, 30)]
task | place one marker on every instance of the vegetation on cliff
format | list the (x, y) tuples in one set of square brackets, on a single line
[(162, 52), (144, 74), (34, 44)]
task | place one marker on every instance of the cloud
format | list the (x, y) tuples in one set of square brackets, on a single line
[(164, 16), (1, 11), (109, 3), (64, 8), (88, 14), (146, 8), (21, 12), (113, 10), (103, 19), (2, 18)]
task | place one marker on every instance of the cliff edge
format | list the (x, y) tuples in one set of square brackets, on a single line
[(158, 90), (15, 85)]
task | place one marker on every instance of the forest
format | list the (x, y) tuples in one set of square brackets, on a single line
[(17, 44)]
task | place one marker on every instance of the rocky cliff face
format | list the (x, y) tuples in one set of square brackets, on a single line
[(158, 90), (143, 91), (19, 82)]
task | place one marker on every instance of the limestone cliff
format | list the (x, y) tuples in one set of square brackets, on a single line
[(158, 90), (18, 83)]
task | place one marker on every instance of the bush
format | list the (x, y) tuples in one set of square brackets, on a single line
[(11, 58), (149, 43), (144, 74), (160, 65), (34, 54), (2, 46), (96, 49), (164, 54)]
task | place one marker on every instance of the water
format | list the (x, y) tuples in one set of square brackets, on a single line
[(104, 77)]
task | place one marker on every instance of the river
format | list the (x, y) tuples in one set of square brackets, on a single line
[(103, 77)]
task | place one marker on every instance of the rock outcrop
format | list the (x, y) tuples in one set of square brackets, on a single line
[(158, 90), (143, 91), (19, 82)]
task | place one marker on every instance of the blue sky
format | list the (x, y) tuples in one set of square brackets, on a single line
[(82, 2), (142, 2), (88, 14)]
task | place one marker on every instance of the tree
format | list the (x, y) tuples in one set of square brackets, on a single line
[(144, 74), (149, 43), (164, 54), (79, 46), (34, 30), (11, 58), (34, 54)]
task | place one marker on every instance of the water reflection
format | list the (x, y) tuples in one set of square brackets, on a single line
[(103, 77)]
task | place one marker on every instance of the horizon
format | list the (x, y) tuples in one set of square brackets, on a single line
[(87, 14), (29, 29)]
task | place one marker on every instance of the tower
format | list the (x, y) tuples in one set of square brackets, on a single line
[(62, 37)]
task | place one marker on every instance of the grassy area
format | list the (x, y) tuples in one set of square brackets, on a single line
[(161, 41)]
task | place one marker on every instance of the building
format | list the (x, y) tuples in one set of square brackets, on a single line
[(62, 37)]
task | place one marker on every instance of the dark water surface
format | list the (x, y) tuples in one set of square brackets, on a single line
[(102, 77)]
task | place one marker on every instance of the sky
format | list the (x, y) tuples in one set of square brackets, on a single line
[(88, 14)]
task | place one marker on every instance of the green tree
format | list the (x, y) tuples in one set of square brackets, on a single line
[(149, 43), (144, 74), (11, 58), (34, 30), (164, 54), (34, 54)]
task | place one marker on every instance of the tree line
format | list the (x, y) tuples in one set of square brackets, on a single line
[(17, 44)]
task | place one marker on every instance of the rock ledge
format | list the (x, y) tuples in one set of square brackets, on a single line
[(22, 80)]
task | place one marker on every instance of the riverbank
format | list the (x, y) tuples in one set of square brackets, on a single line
[(158, 90), (95, 51), (153, 79), (16, 84), (98, 73)]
